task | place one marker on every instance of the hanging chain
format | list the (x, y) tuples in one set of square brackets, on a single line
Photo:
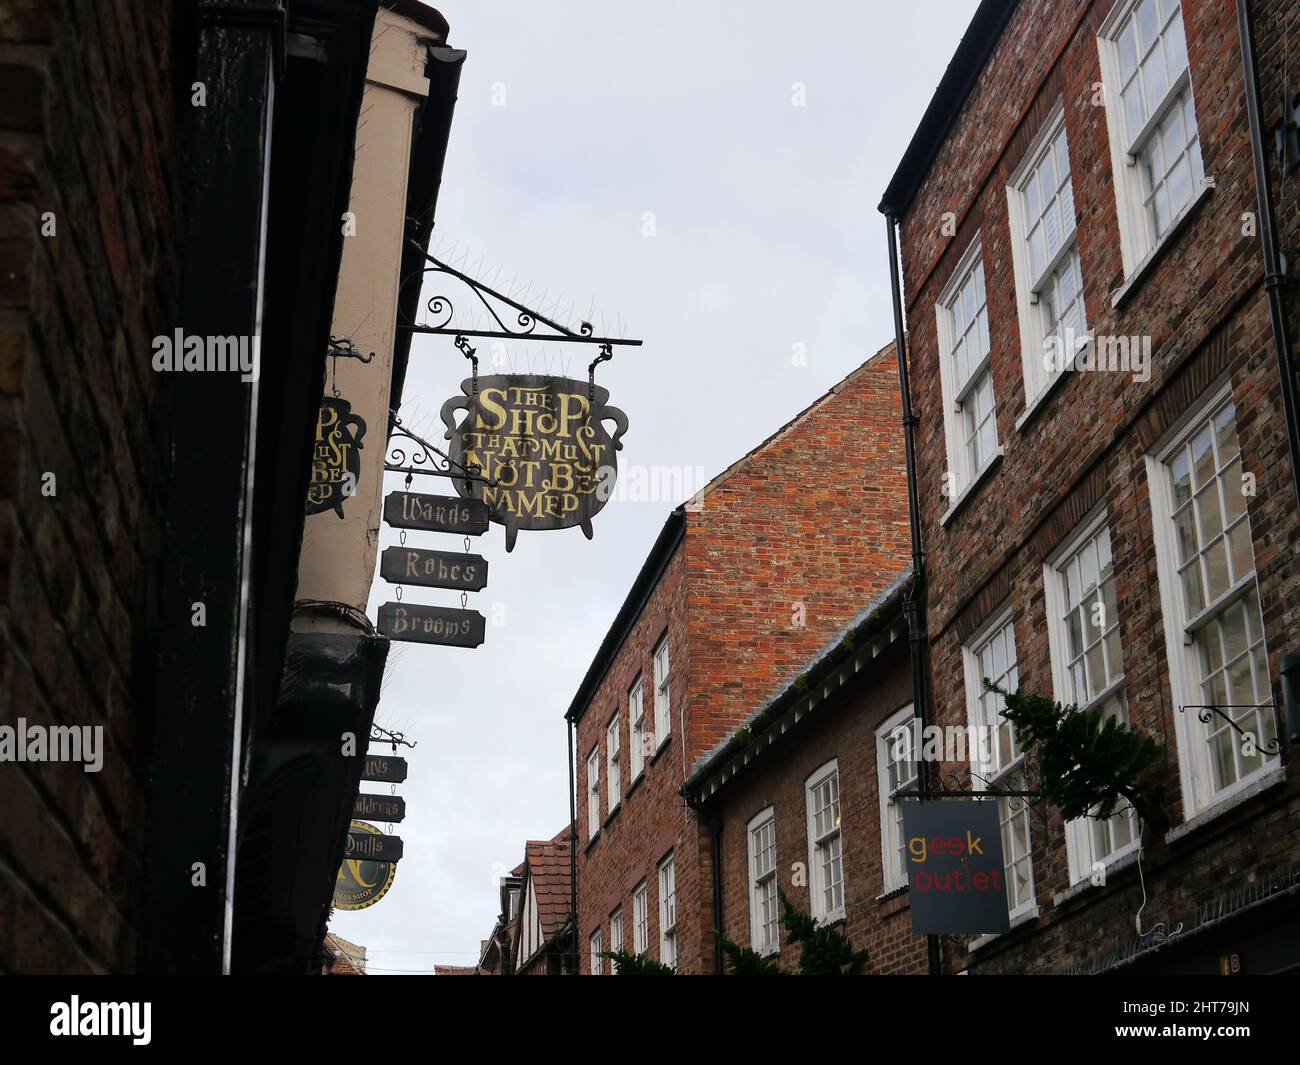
[(606, 353), (463, 344)]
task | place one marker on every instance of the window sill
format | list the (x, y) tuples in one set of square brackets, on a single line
[(660, 749), (1126, 859), (1040, 400), (969, 490), (591, 842), (611, 815), (893, 902), (633, 784), (1025, 918), (1230, 801), (1144, 269), (827, 920)]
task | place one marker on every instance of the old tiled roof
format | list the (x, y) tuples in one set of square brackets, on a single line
[(455, 970), (548, 867), (347, 959)]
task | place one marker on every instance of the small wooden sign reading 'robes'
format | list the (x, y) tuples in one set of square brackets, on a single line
[(542, 444)]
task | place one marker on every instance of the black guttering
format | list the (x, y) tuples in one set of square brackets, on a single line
[(428, 155), (876, 616), (958, 79), (653, 568)]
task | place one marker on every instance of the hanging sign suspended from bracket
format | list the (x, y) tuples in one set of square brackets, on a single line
[(388, 808), (362, 882), (450, 514), (533, 448), (433, 569), (432, 624), (387, 768), (364, 844), (547, 459)]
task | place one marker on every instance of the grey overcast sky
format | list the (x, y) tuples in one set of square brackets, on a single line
[(708, 174)]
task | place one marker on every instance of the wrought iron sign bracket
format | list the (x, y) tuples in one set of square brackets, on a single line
[(379, 734), (1206, 714), (951, 787), (500, 308), (422, 459)]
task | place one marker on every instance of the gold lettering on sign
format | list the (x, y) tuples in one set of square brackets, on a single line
[(541, 447)]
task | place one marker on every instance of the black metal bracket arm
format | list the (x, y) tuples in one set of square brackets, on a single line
[(951, 786), (426, 458), (500, 307), (379, 734), (1206, 714)]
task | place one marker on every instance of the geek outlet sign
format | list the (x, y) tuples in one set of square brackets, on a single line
[(956, 880)]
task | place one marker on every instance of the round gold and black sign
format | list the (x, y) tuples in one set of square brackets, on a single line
[(362, 882)]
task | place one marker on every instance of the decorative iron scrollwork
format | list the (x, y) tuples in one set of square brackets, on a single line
[(425, 457), (512, 319), (1206, 714)]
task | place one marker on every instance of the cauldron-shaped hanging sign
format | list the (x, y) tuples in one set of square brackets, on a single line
[(336, 459), (542, 445)]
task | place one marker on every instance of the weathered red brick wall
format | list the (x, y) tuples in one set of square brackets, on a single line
[(791, 544), (651, 818), (89, 149), (1203, 306), (815, 516), (843, 728)]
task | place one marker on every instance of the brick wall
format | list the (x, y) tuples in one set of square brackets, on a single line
[(1203, 306), (88, 134), (814, 523), (815, 516), (843, 729)]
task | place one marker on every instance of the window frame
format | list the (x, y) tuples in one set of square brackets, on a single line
[(636, 730), (593, 792), (616, 922), (893, 873), (641, 918), (1138, 240), (613, 755), (595, 943), (668, 910), (817, 889), (1184, 669), (986, 776), (663, 720), (1080, 852), (758, 821), (1029, 306), (955, 396)]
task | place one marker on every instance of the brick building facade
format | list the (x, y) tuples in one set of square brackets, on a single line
[(91, 207), (1120, 537), (745, 583), (151, 509), (836, 718)]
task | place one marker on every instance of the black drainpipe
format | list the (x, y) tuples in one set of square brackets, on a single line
[(573, 858), (1273, 275), (713, 822), (913, 602)]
